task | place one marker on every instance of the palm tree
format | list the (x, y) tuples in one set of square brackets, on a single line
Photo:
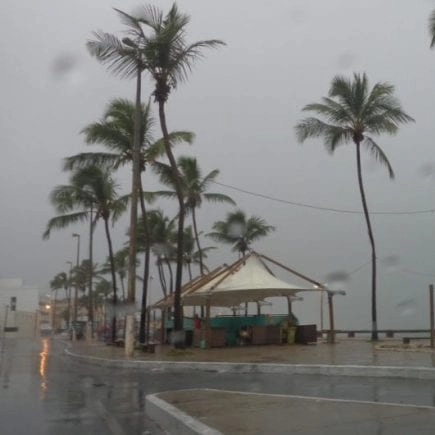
[(161, 240), (115, 131), (240, 231), (169, 59), (91, 187), (120, 259), (193, 256), (60, 281), (194, 187), (125, 58), (351, 113)]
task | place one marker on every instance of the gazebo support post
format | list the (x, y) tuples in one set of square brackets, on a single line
[(163, 334), (331, 335), (258, 309), (290, 307), (207, 325)]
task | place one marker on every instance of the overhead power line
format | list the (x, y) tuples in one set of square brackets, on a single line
[(320, 208)]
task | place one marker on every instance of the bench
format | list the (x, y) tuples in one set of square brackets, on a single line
[(407, 340), (150, 347)]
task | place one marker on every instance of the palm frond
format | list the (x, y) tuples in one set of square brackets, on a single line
[(110, 134), (110, 51), (341, 88), (219, 197), (378, 154), (157, 149), (63, 221), (90, 159), (162, 194), (219, 237), (119, 206), (132, 22), (333, 135), (331, 110), (150, 15), (165, 173), (183, 60)]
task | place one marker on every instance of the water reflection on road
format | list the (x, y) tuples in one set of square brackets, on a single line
[(43, 366)]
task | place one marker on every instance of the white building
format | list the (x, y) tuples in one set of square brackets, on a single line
[(19, 305)]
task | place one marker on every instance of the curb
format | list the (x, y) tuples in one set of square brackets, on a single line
[(174, 420), (266, 368)]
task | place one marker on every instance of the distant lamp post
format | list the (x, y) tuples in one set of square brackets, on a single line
[(77, 265), (68, 295)]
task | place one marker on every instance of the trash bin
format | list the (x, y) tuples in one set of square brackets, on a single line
[(291, 334)]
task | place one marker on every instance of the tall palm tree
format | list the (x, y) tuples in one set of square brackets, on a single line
[(169, 59), (352, 113), (194, 187), (124, 57), (90, 187), (240, 231), (115, 131)]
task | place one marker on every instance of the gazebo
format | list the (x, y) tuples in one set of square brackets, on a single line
[(249, 279)]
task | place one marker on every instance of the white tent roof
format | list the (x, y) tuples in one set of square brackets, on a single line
[(244, 281)]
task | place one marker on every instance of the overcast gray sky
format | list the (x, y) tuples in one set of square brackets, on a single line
[(242, 102)]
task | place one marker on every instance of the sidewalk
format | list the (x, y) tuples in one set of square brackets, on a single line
[(344, 352), (216, 412)]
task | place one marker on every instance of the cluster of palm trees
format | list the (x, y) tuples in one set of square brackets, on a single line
[(154, 44)]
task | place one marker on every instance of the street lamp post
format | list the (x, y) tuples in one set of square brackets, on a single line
[(69, 293), (77, 265)]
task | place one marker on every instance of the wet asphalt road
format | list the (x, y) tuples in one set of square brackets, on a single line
[(43, 391)]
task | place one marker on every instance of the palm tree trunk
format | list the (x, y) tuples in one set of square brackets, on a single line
[(113, 273), (178, 314), (372, 241), (121, 279), (91, 248), (189, 269), (162, 279), (195, 230), (146, 270), (171, 276), (131, 285), (54, 311)]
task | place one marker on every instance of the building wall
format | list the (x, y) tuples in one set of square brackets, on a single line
[(26, 305)]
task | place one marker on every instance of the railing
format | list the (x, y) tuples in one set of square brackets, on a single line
[(389, 333)]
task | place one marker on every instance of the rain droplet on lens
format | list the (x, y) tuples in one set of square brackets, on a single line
[(406, 307), (390, 262), (427, 170), (63, 64), (236, 230), (337, 279), (65, 67)]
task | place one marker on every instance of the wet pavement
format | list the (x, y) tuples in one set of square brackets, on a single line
[(281, 415), (255, 403), (44, 392), (54, 393)]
